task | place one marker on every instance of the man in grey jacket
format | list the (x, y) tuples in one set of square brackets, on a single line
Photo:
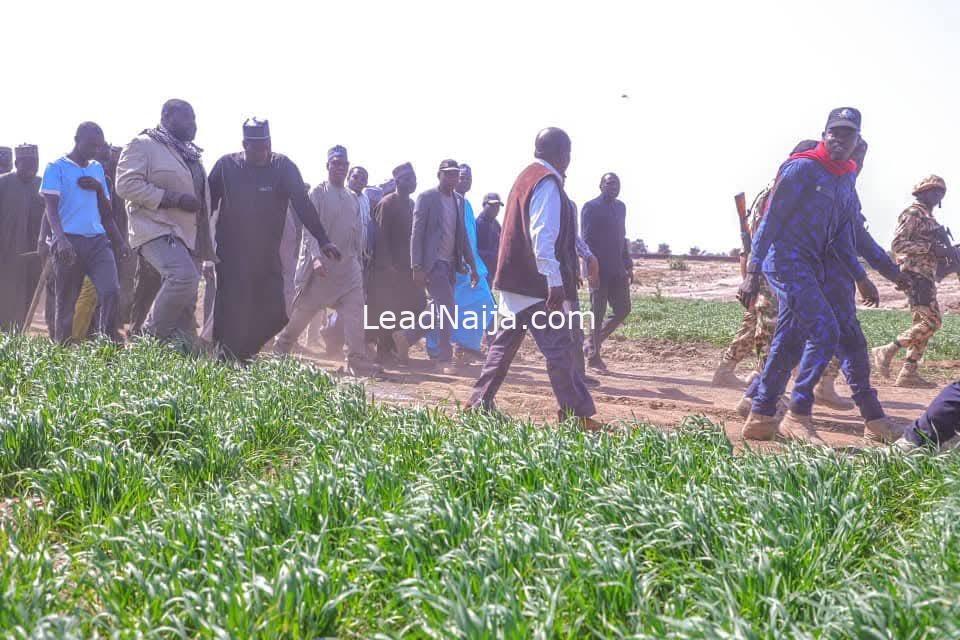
[(163, 181), (439, 249)]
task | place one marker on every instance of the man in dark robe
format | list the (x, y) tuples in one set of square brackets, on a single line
[(21, 209), (250, 191), (392, 288)]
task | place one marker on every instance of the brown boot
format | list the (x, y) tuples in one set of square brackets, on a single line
[(797, 426), (883, 356), (724, 376), (910, 379), (881, 430), (826, 394), (759, 427)]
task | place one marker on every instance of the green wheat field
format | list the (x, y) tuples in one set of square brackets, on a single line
[(160, 496)]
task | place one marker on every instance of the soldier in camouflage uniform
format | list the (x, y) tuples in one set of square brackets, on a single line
[(918, 253), (747, 340)]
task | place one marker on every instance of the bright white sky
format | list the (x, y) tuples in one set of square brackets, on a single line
[(718, 92)]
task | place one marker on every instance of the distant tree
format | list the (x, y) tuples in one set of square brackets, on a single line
[(638, 246), (695, 251), (664, 249)]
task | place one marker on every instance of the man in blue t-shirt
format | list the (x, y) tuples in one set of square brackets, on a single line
[(77, 199)]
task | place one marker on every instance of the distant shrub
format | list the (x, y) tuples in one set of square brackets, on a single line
[(678, 264)]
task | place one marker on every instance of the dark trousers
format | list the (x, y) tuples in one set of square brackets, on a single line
[(94, 260), (556, 345), (852, 350), (940, 421), (440, 289), (579, 361), (614, 291), (851, 343), (146, 286), (807, 332)]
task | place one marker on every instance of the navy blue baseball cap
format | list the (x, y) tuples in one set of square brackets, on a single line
[(843, 117)]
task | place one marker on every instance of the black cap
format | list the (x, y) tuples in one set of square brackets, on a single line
[(843, 117), (449, 165), (406, 167), (255, 129)]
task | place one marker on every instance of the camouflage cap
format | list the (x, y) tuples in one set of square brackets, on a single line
[(930, 182)]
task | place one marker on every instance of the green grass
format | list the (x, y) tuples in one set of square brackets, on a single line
[(682, 320), (183, 498)]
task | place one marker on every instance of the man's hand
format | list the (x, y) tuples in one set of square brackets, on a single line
[(474, 279), (318, 269), (124, 250), (188, 202), (209, 269), (868, 292), (64, 251), (593, 272), (89, 183), (330, 250), (420, 278), (748, 290), (555, 299), (902, 281)]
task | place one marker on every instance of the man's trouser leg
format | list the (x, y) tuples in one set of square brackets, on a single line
[(618, 296), (440, 289), (67, 281), (146, 285), (350, 320), (209, 293), (940, 421), (852, 348), (503, 349), (926, 321), (101, 267), (598, 307), (576, 332), (305, 308), (806, 332), (83, 312), (744, 342), (555, 344), (174, 307), (126, 272)]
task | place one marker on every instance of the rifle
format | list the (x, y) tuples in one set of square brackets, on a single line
[(741, 201), (951, 262)]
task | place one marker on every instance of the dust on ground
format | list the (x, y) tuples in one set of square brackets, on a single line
[(648, 381)]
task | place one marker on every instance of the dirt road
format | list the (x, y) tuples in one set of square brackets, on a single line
[(651, 382)]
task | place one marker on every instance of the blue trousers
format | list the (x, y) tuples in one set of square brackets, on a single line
[(852, 350), (807, 332), (940, 421)]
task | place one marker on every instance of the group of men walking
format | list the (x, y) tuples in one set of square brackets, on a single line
[(801, 280), (362, 253)]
